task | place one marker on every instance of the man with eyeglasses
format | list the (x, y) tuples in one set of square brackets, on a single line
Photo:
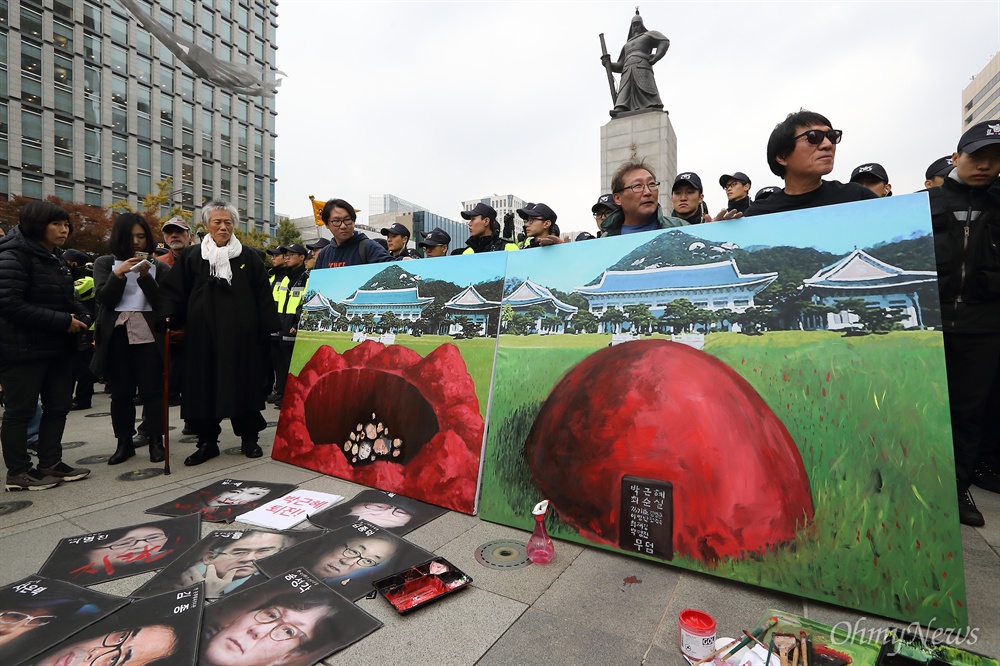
[(285, 631), (737, 187), (688, 198), (636, 193), (349, 247), (230, 564), (605, 206), (801, 150), (484, 231), (135, 647), (353, 558)]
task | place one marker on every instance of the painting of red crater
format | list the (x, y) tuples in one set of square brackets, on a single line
[(665, 411), (428, 405)]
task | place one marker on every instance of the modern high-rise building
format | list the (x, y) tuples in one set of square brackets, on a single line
[(100, 100), (502, 203), (981, 98), (379, 204)]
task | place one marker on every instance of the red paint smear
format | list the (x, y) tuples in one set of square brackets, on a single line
[(665, 411), (828, 376), (632, 580)]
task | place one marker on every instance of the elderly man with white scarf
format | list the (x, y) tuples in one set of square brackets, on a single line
[(219, 294)]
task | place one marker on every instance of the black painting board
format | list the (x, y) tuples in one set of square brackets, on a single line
[(291, 620), (646, 521), (123, 551), (391, 512), (224, 561), (349, 559), (38, 612), (158, 631), (223, 501)]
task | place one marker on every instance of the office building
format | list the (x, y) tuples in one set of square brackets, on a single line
[(981, 98), (99, 101)]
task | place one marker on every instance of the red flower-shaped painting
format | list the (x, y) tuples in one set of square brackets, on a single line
[(388, 418)]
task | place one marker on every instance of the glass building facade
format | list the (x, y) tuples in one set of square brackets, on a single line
[(94, 109)]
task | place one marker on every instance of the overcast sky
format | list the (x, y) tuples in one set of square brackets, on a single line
[(439, 102)]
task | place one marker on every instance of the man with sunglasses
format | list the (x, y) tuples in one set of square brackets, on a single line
[(965, 215), (636, 192), (801, 150)]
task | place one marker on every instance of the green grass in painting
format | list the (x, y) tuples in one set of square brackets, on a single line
[(871, 422)]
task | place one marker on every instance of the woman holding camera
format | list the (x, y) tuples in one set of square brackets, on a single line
[(39, 319), (129, 352)]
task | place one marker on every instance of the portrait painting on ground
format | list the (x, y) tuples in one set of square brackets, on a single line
[(158, 631), (224, 561), (38, 612), (390, 376), (761, 399), (94, 558), (291, 620), (394, 513), (223, 501)]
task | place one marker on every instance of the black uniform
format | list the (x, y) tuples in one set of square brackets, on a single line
[(830, 192)]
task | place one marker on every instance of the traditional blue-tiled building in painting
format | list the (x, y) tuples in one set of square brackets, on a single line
[(470, 303)]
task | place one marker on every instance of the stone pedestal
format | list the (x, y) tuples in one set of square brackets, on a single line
[(646, 136)]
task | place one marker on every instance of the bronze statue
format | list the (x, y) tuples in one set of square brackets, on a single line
[(637, 88)]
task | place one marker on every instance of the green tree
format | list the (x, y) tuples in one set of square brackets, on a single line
[(521, 324), (722, 315), (368, 321), (871, 317), (435, 316), (640, 316), (680, 314), (536, 313), (389, 322), (552, 323), (506, 315), (157, 207), (586, 322), (286, 233), (612, 318)]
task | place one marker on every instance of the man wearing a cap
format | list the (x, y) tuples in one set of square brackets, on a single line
[(435, 243), (314, 249), (484, 231), (873, 176), (539, 226), (936, 172), (605, 206), (737, 187), (83, 285), (177, 236), (765, 192), (965, 215), (396, 238), (349, 247), (636, 193), (277, 278), (687, 197), (289, 311), (801, 150)]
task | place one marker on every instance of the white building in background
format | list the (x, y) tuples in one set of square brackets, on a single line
[(981, 98), (502, 203)]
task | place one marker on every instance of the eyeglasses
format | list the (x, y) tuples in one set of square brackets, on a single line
[(115, 640), (639, 187), (365, 562), (396, 511), (128, 543), (815, 136), (734, 183), (282, 632), (340, 223), (11, 617)]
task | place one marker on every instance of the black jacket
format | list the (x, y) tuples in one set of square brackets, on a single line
[(477, 244), (966, 222), (37, 301)]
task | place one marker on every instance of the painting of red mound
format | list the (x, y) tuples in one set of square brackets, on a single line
[(428, 404), (665, 411)]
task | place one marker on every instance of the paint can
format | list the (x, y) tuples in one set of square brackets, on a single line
[(697, 634)]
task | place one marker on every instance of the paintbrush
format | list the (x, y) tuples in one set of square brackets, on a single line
[(757, 633), (751, 637), (770, 650), (714, 654), (803, 648)]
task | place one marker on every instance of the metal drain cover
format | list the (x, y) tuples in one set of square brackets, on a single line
[(94, 415), (93, 460), (503, 554), (11, 507), (233, 451), (140, 474), (272, 424), (192, 439)]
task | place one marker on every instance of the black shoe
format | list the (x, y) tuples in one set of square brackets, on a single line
[(986, 477), (174, 400), (273, 399), (206, 451), (121, 454), (140, 440), (188, 430), (77, 406), (156, 453), (968, 514), (251, 449)]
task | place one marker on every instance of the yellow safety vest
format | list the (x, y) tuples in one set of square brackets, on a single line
[(279, 292)]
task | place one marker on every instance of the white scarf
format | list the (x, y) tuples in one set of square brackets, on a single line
[(218, 257)]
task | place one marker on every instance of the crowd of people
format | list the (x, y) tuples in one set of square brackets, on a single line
[(228, 321)]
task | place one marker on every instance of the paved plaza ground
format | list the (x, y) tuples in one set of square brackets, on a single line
[(579, 609)]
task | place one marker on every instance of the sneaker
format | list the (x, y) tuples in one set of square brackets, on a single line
[(30, 480), (986, 477), (66, 473), (968, 514)]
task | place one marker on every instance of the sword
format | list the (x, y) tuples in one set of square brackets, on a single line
[(607, 67)]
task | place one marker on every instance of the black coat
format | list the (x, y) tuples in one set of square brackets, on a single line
[(109, 293), (37, 302), (227, 329)]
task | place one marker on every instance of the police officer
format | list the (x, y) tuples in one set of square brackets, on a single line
[(83, 284), (289, 310), (484, 231), (279, 287)]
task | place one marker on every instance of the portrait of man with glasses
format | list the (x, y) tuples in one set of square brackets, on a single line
[(139, 646), (394, 513), (801, 150), (291, 620), (636, 193)]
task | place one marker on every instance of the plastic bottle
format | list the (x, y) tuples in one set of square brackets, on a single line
[(540, 549)]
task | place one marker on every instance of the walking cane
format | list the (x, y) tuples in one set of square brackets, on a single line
[(166, 401)]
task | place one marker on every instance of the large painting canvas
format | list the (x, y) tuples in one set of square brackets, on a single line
[(390, 376), (761, 399)]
